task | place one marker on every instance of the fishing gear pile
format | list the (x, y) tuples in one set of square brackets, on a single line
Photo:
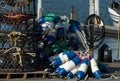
[(74, 64), (54, 42), (64, 48)]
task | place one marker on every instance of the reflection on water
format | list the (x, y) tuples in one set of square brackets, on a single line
[(81, 7)]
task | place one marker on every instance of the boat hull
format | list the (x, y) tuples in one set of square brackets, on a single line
[(114, 15)]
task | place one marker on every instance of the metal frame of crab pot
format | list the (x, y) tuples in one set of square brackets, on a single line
[(19, 55)]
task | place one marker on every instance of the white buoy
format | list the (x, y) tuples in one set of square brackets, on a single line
[(47, 26), (62, 58), (73, 72), (94, 67)]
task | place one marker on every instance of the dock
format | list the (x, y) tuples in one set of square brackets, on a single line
[(23, 75), (111, 31)]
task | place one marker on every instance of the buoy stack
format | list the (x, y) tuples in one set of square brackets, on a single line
[(77, 66), (63, 43)]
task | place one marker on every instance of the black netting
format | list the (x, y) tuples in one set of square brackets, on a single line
[(16, 35), (10, 63)]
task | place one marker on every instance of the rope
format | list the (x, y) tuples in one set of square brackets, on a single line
[(16, 53), (31, 54), (83, 40), (17, 49), (118, 38), (13, 37), (65, 18), (19, 54)]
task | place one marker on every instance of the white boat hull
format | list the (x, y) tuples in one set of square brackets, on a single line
[(114, 15)]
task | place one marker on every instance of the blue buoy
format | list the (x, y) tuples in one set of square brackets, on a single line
[(73, 72), (70, 65), (41, 19), (82, 69), (62, 58)]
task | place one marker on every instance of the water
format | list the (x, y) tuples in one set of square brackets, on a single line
[(81, 7)]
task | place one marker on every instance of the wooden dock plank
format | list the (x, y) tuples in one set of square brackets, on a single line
[(23, 75), (109, 30)]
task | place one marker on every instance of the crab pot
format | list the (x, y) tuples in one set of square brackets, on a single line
[(17, 36)]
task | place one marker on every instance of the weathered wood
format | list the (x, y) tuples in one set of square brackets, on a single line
[(23, 75), (109, 30)]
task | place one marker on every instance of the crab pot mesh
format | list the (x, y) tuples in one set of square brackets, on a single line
[(16, 27), (10, 63)]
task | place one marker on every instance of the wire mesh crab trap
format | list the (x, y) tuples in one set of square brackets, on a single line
[(16, 35)]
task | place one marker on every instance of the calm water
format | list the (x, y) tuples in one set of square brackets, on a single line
[(81, 7)]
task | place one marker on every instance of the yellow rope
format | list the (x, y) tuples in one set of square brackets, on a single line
[(13, 37), (118, 38)]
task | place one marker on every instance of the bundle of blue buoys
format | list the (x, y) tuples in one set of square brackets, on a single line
[(62, 47), (75, 64)]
